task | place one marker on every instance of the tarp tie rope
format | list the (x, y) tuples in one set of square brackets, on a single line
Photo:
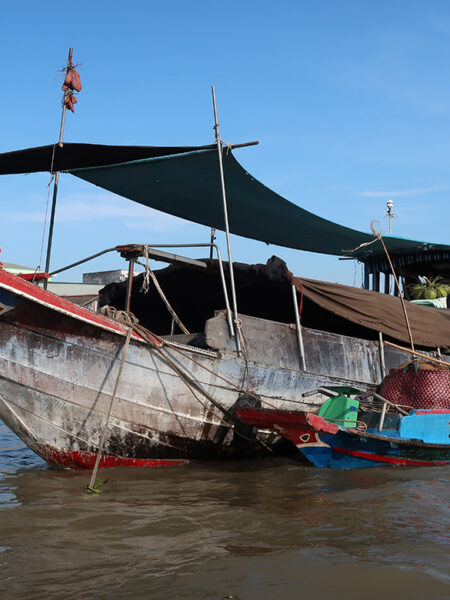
[(146, 282), (145, 287), (378, 237), (400, 292), (229, 147)]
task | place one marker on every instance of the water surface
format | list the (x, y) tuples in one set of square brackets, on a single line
[(260, 529)]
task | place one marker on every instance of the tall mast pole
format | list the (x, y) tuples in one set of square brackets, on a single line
[(225, 212), (55, 184)]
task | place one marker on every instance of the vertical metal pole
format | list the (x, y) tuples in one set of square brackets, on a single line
[(301, 348), (55, 185), (366, 283), (225, 210), (129, 284), (376, 282), (213, 237), (382, 359)]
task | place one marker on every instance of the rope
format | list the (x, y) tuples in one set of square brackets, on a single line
[(240, 331), (150, 337), (145, 287), (399, 291), (377, 236), (146, 283), (229, 147), (300, 308), (93, 486), (231, 383), (44, 228), (190, 384), (121, 316)]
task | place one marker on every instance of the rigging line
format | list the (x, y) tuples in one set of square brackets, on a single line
[(44, 227), (235, 385), (145, 286), (179, 371), (132, 322), (240, 330), (147, 335), (402, 300), (91, 487), (190, 384), (377, 236)]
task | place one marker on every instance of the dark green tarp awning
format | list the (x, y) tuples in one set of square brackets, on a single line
[(187, 185), (184, 181)]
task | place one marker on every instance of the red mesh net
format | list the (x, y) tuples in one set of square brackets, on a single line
[(422, 389)]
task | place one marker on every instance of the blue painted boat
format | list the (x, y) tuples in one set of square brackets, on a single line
[(420, 438)]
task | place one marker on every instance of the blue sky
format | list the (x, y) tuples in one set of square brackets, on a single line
[(350, 101)]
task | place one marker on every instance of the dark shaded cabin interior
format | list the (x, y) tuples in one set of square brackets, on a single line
[(195, 293)]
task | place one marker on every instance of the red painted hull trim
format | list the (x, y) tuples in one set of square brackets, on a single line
[(77, 459), (390, 459), (23, 289)]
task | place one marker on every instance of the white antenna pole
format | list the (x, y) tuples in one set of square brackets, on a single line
[(390, 214)]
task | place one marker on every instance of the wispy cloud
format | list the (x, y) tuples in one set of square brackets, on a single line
[(403, 193), (101, 207)]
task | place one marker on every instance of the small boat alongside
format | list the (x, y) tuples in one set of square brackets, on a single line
[(343, 437)]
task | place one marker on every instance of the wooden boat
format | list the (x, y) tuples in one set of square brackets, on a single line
[(67, 373), (420, 438)]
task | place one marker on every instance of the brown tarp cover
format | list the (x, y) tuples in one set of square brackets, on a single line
[(429, 326)]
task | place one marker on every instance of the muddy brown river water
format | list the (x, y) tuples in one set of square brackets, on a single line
[(249, 530)]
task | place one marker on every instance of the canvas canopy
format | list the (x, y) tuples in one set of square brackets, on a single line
[(430, 327), (184, 181), (54, 157), (188, 186)]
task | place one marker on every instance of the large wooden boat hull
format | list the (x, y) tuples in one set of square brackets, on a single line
[(59, 364)]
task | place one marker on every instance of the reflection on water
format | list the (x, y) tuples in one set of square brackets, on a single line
[(257, 529)]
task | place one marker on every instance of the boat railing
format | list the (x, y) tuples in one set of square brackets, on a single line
[(151, 249)]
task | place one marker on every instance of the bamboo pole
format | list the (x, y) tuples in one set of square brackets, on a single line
[(56, 182), (415, 353), (225, 211)]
